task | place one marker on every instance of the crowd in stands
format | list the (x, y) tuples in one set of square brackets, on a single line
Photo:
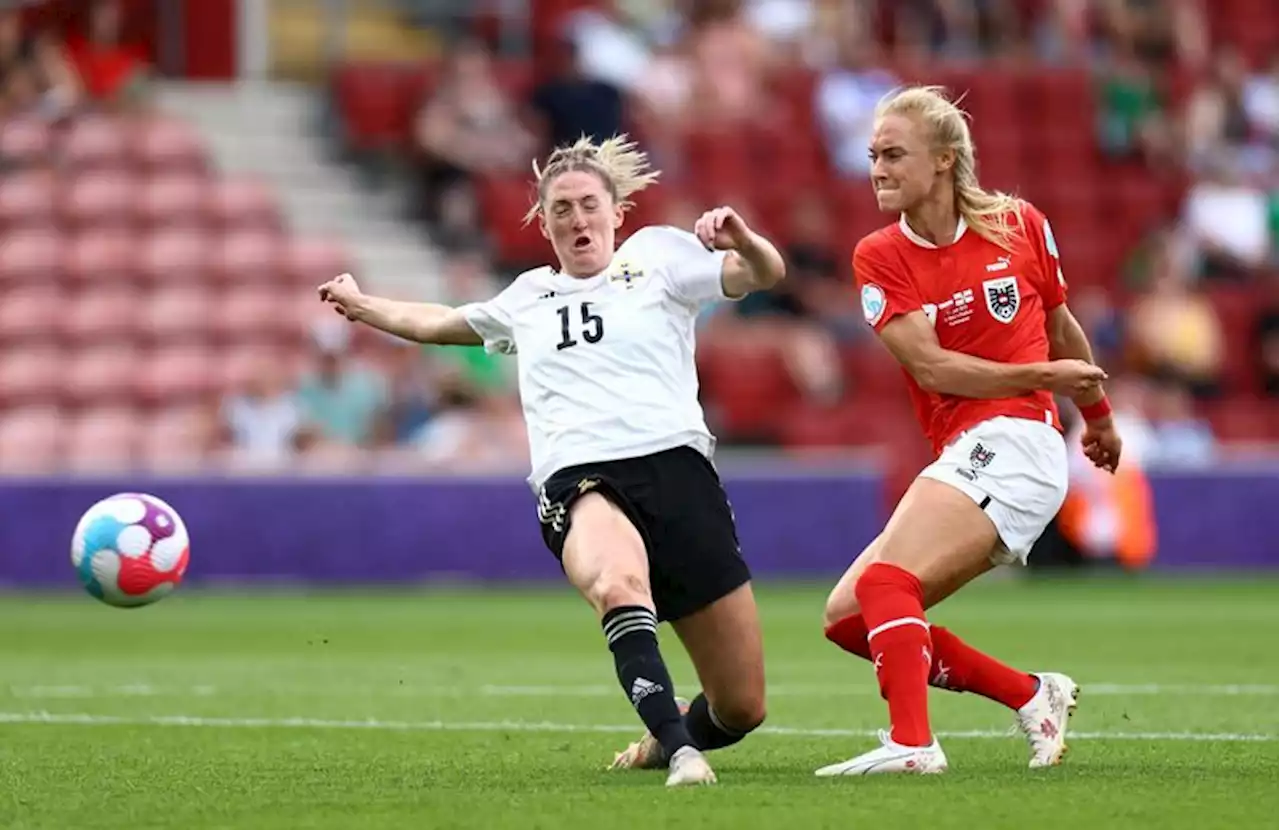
[(1146, 130)]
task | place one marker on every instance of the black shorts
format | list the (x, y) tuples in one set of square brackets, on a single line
[(677, 503)]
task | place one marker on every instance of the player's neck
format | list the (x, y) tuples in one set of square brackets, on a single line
[(935, 221)]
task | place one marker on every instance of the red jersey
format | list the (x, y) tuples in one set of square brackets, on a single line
[(982, 300)]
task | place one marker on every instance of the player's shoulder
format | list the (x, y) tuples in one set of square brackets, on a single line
[(659, 238), (531, 282)]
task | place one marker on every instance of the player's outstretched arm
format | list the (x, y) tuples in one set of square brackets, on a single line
[(912, 340), (753, 264), (421, 322)]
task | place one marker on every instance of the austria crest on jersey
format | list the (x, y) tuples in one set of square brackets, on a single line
[(1003, 298)]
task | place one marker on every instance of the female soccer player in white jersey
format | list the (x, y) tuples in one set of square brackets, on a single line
[(627, 497), (966, 291)]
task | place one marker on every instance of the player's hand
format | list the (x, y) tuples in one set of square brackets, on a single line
[(722, 229), (1073, 378), (1102, 443), (341, 293)]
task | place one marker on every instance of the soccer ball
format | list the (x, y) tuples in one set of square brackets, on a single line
[(130, 549)]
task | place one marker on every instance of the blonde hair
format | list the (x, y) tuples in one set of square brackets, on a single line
[(617, 161), (987, 212)]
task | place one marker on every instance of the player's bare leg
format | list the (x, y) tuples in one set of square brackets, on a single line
[(604, 558), (725, 644), (1042, 707)]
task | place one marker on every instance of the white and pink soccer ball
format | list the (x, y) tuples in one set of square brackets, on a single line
[(130, 549)]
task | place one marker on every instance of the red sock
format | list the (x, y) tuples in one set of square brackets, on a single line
[(957, 666), (893, 606), (962, 668)]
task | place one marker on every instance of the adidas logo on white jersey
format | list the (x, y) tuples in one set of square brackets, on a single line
[(643, 688)]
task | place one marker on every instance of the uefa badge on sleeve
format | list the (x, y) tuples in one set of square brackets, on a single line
[(873, 303)]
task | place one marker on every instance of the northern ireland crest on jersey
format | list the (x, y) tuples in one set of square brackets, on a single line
[(627, 274), (1003, 298)]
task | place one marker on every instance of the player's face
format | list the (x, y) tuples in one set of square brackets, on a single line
[(580, 217), (904, 167)]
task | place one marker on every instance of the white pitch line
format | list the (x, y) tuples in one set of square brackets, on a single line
[(80, 719)]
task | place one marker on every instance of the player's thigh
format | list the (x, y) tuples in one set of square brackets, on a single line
[(939, 534), (725, 644), (604, 556)]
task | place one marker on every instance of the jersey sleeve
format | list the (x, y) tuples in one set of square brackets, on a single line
[(885, 288), (693, 273), (494, 320), (1053, 285)]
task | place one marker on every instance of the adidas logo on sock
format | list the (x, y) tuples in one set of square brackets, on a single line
[(643, 688)]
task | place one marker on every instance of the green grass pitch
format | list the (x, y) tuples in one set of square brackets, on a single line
[(498, 709)]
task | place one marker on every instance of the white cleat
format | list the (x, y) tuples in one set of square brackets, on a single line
[(1044, 719), (891, 757), (645, 753), (689, 767)]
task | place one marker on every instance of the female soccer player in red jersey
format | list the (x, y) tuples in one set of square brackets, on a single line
[(966, 291)]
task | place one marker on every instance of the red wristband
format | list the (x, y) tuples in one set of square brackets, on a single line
[(1094, 411)]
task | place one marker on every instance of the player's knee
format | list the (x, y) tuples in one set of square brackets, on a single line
[(842, 603), (617, 590), (743, 712)]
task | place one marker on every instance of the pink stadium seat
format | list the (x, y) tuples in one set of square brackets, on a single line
[(25, 141), (178, 374), (171, 146), (30, 313), (177, 438), (96, 142), (248, 257), (257, 313), (236, 367), (102, 438), (243, 203), (30, 439), (27, 200), (174, 200), (109, 312), (102, 256), (312, 261), (104, 375), (179, 314), (30, 256), (101, 199), (30, 375), (176, 255)]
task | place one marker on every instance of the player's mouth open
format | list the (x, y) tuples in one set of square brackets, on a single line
[(581, 243)]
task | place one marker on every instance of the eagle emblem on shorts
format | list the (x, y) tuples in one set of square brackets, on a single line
[(1003, 298), (980, 456)]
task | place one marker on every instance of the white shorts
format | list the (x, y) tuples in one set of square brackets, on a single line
[(1016, 470)]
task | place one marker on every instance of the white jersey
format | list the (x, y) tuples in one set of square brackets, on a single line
[(606, 364)]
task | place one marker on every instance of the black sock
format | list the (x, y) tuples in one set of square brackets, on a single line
[(706, 730), (632, 634)]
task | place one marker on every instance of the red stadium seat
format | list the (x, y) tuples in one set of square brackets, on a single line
[(176, 255), (31, 375), (177, 439), (259, 313), (179, 374), (96, 142), (104, 437), (165, 145), (503, 204), (110, 312), (33, 255), (248, 257), (311, 261), (106, 374), (178, 314), (30, 313), (102, 257), (174, 200), (376, 102), (101, 199), (30, 439), (28, 200), (25, 141), (243, 203)]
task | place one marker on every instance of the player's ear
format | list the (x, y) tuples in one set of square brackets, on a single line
[(618, 215), (542, 226), (944, 160)]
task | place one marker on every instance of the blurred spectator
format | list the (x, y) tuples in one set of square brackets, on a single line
[(473, 431), (846, 98), (1102, 322), (1266, 353), (35, 75), (571, 105), (112, 70), (1174, 332), (732, 64), (1132, 122), (467, 280), (956, 30), (263, 421), (468, 128), (411, 396), (1216, 117), (1178, 436), (1228, 221), (1260, 99), (342, 399)]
